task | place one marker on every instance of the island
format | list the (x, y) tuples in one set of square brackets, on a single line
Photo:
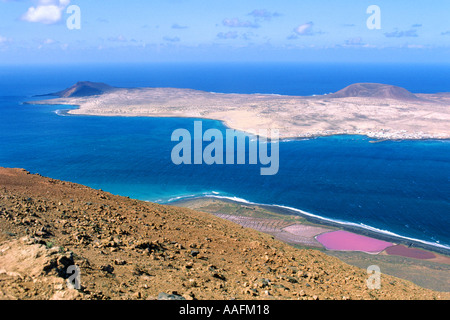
[(378, 111)]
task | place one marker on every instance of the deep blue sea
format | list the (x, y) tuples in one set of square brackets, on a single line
[(399, 187)]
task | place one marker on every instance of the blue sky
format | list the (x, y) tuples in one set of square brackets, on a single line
[(35, 31)]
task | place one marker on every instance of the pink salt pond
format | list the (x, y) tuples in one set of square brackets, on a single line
[(346, 241), (409, 252)]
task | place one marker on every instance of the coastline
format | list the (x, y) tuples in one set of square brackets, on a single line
[(155, 248), (375, 137), (348, 226), (68, 112), (295, 117), (315, 219)]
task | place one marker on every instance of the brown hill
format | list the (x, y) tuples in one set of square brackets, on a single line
[(84, 89), (374, 90), (128, 249)]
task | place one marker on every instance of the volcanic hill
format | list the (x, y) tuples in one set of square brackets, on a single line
[(374, 90), (84, 89)]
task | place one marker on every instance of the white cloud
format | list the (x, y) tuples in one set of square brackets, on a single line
[(263, 13), (4, 40), (178, 26), (227, 35), (304, 29), (49, 41), (236, 23), (119, 38), (401, 34), (171, 39), (415, 46), (47, 11), (354, 42)]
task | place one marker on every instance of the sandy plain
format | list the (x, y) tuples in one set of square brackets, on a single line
[(426, 117)]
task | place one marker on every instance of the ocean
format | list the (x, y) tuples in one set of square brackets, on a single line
[(392, 187)]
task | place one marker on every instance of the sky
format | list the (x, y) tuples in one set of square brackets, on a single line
[(98, 31)]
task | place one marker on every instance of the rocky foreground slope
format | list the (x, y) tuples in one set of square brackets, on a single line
[(128, 249)]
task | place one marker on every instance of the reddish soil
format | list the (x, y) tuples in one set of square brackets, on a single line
[(129, 249), (401, 250)]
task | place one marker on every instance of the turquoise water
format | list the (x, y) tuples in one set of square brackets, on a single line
[(399, 187)]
